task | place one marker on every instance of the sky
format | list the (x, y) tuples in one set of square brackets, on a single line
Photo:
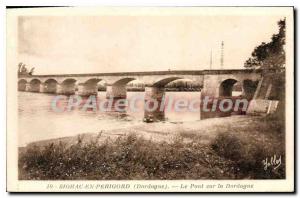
[(90, 44)]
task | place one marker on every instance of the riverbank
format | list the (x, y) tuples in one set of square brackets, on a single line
[(218, 148), (163, 131)]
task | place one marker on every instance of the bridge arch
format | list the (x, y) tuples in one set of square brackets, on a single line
[(163, 82), (123, 81), (92, 81), (89, 87), (50, 86), (226, 87), (118, 88), (68, 86), (35, 85), (22, 85)]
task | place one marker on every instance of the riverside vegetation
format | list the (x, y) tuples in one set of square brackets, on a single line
[(236, 152)]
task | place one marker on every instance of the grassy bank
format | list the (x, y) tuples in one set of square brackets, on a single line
[(235, 152)]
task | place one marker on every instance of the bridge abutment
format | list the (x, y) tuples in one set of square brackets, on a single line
[(153, 107)]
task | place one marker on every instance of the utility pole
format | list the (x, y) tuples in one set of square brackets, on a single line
[(222, 55)]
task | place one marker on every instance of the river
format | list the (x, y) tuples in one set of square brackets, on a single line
[(38, 121)]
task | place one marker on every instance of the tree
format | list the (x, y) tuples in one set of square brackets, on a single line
[(31, 71), (19, 67), (269, 55), (23, 71)]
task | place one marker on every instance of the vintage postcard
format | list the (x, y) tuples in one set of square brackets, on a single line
[(150, 99)]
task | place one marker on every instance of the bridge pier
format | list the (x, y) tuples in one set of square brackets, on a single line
[(116, 91), (87, 90), (42, 88), (27, 87), (59, 89), (210, 93), (153, 100)]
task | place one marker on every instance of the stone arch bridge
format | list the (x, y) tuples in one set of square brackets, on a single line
[(213, 83)]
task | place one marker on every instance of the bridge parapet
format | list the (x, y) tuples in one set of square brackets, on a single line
[(158, 78)]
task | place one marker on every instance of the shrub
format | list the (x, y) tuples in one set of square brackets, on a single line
[(128, 157), (228, 145), (248, 155)]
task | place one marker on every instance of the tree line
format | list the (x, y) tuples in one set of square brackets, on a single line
[(269, 55), (23, 71)]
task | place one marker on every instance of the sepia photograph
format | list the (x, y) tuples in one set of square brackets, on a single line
[(156, 99)]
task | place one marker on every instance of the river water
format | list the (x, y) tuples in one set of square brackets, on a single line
[(38, 121)]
